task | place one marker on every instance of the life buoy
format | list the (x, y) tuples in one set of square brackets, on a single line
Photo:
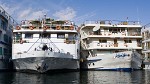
[(45, 28), (71, 27), (31, 27), (18, 28), (58, 27)]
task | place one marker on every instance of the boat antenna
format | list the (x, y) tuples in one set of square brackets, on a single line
[(44, 16), (138, 15)]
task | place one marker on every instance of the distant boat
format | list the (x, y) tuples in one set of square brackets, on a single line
[(45, 45), (6, 26), (111, 45)]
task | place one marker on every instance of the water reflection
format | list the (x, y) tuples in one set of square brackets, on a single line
[(113, 77), (28, 78), (84, 77)]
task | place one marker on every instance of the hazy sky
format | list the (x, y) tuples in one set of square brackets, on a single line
[(79, 10)]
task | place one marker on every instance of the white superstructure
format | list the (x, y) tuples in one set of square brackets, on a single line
[(146, 45), (6, 26), (111, 45), (45, 45)]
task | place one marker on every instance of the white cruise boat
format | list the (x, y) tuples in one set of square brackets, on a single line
[(46, 45), (111, 45), (6, 26), (146, 45)]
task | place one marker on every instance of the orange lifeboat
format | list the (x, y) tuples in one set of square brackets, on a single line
[(58, 27), (31, 27), (18, 28), (45, 27), (71, 27)]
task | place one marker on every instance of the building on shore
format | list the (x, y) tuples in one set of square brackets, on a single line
[(6, 26)]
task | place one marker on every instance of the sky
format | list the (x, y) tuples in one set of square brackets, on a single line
[(79, 10)]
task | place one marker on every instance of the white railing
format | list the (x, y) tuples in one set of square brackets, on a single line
[(112, 45), (112, 22)]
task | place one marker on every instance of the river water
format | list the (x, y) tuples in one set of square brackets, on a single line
[(84, 77)]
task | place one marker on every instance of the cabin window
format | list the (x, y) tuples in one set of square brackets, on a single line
[(45, 35), (28, 35), (71, 36), (127, 41), (103, 41), (5, 38), (10, 40), (60, 36), (122, 29), (113, 30), (5, 51), (106, 29), (1, 51), (17, 36)]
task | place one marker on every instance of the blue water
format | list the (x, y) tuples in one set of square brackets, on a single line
[(84, 77)]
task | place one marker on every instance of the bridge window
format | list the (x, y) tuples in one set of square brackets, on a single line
[(60, 36), (45, 35), (103, 41), (28, 35), (127, 41)]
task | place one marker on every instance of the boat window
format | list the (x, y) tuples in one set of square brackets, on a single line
[(115, 30), (60, 36), (28, 35), (127, 41), (17, 36), (103, 41), (72, 36), (5, 38), (45, 35), (1, 52), (122, 29), (5, 51), (106, 29)]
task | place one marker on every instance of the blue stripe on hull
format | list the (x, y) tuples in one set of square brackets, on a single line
[(115, 69)]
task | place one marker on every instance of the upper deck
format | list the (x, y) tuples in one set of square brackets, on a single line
[(48, 25), (111, 34), (111, 29), (112, 23)]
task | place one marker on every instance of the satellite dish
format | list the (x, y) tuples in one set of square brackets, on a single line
[(96, 28)]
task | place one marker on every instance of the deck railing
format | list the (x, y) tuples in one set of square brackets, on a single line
[(112, 22), (113, 45)]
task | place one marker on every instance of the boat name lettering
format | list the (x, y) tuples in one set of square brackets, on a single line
[(118, 55)]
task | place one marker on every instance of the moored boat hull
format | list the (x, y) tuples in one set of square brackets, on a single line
[(45, 64), (113, 63)]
